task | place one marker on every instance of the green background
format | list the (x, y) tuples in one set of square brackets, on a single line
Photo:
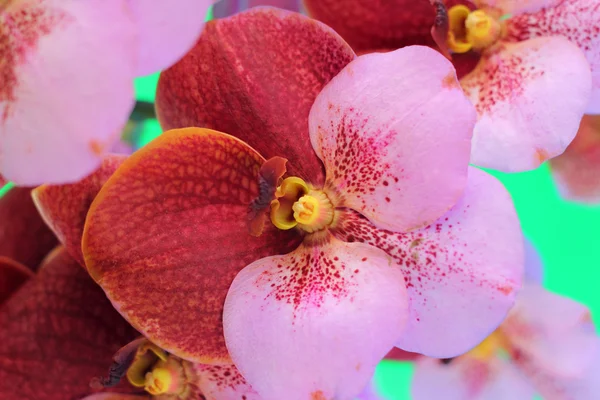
[(567, 236)]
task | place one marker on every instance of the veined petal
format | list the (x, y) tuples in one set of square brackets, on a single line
[(462, 272), (64, 207), (12, 276), (465, 378), (575, 20), (225, 8), (400, 160), (516, 7), (56, 120), (223, 382), (57, 332), (313, 324), (530, 97), (577, 171), (24, 237), (168, 232), (243, 79), (166, 31)]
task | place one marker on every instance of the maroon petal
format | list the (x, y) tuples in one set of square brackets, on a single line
[(57, 333), (12, 276), (24, 237), (255, 76)]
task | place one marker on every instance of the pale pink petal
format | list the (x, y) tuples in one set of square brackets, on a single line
[(66, 89), (466, 378), (166, 30), (576, 20), (394, 130), (314, 322), (515, 7), (225, 8), (371, 392), (223, 382), (462, 272), (530, 97), (534, 269), (551, 330)]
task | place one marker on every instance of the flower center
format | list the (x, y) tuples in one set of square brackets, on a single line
[(490, 347), (471, 30), (296, 204), (156, 371)]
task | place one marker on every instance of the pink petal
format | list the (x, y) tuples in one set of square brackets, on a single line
[(66, 86), (393, 131), (515, 7), (166, 30), (370, 392), (461, 272), (225, 8), (530, 97), (576, 20), (534, 269), (314, 322), (466, 378), (223, 382)]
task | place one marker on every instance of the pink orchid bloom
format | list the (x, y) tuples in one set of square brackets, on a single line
[(577, 171), (67, 77), (527, 65), (310, 306)]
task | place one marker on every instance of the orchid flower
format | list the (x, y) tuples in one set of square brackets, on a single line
[(225, 8), (180, 240), (577, 171), (532, 83), (67, 77)]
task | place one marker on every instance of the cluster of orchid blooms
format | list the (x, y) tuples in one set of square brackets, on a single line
[(313, 206)]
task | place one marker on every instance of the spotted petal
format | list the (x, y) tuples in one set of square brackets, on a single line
[(462, 272), (64, 207), (393, 131), (57, 332), (516, 7), (56, 120), (243, 79), (24, 237), (168, 232), (313, 324), (166, 30), (223, 382), (530, 97), (575, 20), (12, 276)]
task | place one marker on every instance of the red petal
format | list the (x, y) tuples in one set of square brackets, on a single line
[(64, 207), (24, 237), (397, 354), (255, 76), (168, 233), (3, 181), (12, 276), (379, 24), (57, 333)]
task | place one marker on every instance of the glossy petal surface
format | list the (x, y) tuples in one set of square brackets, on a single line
[(166, 30), (24, 237), (530, 97), (313, 324), (223, 382), (577, 171), (575, 20), (400, 160), (168, 232), (12, 276), (243, 79), (56, 120), (64, 207), (57, 333), (462, 272)]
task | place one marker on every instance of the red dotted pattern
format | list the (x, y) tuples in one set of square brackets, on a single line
[(24, 237), (22, 23), (57, 333), (221, 381), (65, 207), (256, 76), (168, 233)]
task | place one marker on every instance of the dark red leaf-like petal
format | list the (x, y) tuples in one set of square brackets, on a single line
[(64, 207), (24, 237), (57, 333), (12, 276), (255, 76)]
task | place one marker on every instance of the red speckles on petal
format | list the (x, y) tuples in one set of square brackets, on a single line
[(22, 23), (218, 382)]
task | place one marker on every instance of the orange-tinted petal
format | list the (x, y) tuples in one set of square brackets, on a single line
[(57, 333), (168, 233), (24, 237), (12, 276), (64, 207), (255, 76)]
